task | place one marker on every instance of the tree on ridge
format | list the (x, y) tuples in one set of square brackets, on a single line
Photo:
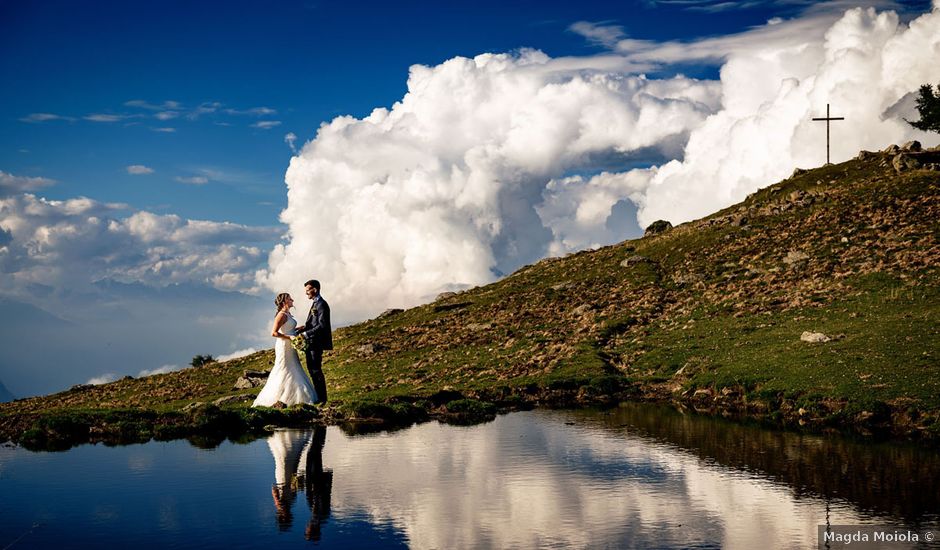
[(928, 106)]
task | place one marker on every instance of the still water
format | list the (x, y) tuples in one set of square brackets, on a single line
[(638, 476)]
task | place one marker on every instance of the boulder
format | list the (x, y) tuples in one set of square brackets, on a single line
[(562, 286), (262, 374), (795, 257), (251, 379), (445, 295), (915, 160), (633, 260), (657, 227), (892, 150), (814, 337), (867, 155), (904, 162), (369, 348), (479, 327), (389, 313), (798, 172), (913, 146)]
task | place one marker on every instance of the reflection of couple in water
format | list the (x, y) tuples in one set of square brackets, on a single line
[(298, 466)]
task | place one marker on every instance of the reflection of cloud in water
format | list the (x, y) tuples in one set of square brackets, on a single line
[(140, 463), (6, 455), (168, 517), (527, 480)]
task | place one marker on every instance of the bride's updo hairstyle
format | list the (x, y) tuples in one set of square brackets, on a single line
[(280, 300)]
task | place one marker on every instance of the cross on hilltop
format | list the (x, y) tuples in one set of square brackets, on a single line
[(827, 119)]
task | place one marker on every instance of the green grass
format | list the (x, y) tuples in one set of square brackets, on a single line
[(889, 348)]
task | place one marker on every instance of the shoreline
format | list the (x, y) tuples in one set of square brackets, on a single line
[(206, 424)]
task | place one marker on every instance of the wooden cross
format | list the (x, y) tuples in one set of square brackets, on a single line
[(827, 119)]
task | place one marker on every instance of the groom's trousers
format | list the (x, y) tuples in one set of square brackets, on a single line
[(315, 368)]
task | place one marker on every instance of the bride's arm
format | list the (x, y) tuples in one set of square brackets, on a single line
[(278, 321)]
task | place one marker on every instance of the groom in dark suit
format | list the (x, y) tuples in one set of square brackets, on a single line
[(318, 334)]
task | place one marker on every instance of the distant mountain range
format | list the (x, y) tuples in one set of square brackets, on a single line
[(5, 394)]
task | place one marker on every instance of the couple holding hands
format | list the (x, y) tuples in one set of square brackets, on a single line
[(287, 381)]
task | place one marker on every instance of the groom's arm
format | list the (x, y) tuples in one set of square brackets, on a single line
[(304, 329), (320, 321)]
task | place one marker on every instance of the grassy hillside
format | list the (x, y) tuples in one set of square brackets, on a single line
[(708, 315)]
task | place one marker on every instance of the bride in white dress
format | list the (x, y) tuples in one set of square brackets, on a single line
[(287, 382)]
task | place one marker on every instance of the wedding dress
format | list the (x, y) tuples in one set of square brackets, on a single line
[(289, 448), (287, 382)]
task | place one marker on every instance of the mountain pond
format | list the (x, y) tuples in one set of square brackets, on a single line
[(635, 476)]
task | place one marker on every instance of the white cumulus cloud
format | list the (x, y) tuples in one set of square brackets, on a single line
[(44, 117), (101, 117), (236, 354), (193, 180), (165, 106), (103, 379), (604, 35), (254, 111), (68, 244), (864, 65), (441, 190), (159, 370), (139, 170), (290, 139), (17, 184), (166, 115)]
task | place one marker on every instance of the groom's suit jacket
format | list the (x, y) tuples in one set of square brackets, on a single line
[(318, 331)]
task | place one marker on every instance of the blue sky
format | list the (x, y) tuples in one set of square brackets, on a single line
[(154, 177)]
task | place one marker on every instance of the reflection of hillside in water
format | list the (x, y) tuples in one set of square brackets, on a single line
[(902, 481)]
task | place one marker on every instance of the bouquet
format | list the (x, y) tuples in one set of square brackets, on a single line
[(300, 343)]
